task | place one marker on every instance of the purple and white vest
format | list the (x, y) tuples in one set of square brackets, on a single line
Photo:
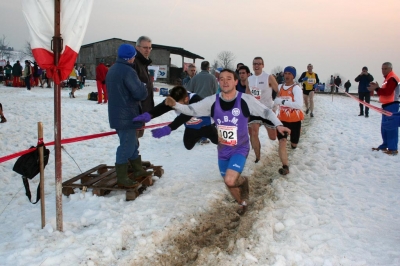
[(232, 128)]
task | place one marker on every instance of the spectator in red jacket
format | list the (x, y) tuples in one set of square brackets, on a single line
[(101, 73)]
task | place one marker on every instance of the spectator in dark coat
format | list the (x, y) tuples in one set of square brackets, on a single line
[(82, 74), (8, 71), (125, 92), (143, 48), (17, 73), (338, 82), (347, 85), (363, 93)]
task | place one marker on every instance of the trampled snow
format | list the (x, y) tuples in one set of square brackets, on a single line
[(338, 206)]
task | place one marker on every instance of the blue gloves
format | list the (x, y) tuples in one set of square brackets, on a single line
[(161, 132), (145, 117), (305, 79)]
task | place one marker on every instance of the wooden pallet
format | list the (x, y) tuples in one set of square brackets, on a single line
[(102, 179)]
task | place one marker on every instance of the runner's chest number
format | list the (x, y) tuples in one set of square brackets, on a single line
[(228, 134)]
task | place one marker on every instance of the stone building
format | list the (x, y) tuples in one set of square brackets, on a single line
[(90, 55)]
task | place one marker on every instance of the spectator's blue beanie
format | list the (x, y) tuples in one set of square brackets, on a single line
[(126, 51), (290, 69)]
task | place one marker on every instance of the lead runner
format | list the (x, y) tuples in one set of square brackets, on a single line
[(230, 110)]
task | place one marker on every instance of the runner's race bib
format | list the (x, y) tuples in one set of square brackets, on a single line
[(256, 92), (228, 134), (311, 81)]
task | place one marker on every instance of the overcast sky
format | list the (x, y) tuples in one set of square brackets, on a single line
[(338, 36)]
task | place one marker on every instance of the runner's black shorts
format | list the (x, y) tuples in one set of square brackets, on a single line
[(72, 83), (307, 92), (258, 119), (295, 128)]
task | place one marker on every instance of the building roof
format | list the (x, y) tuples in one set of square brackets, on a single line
[(173, 50)]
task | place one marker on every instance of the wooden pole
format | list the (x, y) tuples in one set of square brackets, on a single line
[(57, 48), (41, 159)]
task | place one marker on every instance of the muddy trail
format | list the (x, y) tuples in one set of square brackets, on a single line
[(218, 230)]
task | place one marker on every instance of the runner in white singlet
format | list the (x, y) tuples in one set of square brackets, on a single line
[(261, 85)]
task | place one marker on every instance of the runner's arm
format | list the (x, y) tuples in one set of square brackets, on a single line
[(258, 109), (298, 99), (201, 108), (272, 83), (159, 110), (301, 77), (179, 121)]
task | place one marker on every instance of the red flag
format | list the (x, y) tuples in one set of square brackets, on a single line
[(39, 15)]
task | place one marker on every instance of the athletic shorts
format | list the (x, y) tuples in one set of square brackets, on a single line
[(260, 120), (295, 128), (307, 92), (72, 83), (235, 163)]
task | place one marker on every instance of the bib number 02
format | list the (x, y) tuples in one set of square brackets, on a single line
[(227, 135)]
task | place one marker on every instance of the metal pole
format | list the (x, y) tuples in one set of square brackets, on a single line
[(42, 203), (57, 48)]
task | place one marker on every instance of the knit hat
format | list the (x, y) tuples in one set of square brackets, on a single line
[(126, 51), (366, 68), (290, 69)]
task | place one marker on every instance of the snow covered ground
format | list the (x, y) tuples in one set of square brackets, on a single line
[(338, 206)]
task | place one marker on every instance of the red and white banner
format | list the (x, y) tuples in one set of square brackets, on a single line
[(39, 15)]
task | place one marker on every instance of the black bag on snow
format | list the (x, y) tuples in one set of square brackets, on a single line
[(28, 165), (92, 96)]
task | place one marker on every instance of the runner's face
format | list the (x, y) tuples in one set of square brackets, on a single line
[(243, 75), (258, 65), (309, 68), (288, 77), (227, 82), (184, 101)]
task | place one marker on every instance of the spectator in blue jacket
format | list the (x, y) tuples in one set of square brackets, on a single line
[(363, 93), (125, 91)]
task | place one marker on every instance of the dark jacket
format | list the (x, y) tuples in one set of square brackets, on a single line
[(347, 85), (363, 82), (83, 72), (125, 91), (8, 68), (140, 66), (338, 81), (17, 70)]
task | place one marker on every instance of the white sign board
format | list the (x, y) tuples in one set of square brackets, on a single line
[(162, 71)]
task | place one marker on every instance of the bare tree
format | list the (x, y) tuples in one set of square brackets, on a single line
[(276, 70), (27, 49), (225, 59), (214, 66), (5, 50)]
